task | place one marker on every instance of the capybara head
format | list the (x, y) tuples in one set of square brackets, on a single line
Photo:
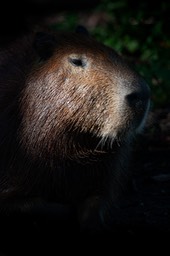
[(80, 87), (70, 107)]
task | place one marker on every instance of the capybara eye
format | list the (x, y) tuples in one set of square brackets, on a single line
[(77, 62)]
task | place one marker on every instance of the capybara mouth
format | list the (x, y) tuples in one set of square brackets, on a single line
[(95, 143)]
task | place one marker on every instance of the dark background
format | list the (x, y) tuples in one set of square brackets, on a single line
[(139, 30)]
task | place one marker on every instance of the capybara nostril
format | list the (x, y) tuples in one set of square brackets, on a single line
[(139, 96), (136, 100)]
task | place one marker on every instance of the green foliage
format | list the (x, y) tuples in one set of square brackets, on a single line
[(139, 31)]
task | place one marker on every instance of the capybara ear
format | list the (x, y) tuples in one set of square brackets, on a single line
[(44, 44), (82, 30)]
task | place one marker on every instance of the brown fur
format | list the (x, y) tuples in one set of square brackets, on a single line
[(66, 130)]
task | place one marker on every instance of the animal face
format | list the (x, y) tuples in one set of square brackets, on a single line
[(86, 87)]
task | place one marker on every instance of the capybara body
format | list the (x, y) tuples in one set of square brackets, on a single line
[(70, 108)]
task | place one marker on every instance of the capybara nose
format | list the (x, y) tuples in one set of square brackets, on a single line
[(139, 96)]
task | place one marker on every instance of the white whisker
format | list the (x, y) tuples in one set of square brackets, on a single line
[(107, 142), (101, 143)]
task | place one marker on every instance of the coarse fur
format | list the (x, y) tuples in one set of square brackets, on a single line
[(70, 108)]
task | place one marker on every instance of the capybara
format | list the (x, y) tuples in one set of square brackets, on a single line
[(70, 108)]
